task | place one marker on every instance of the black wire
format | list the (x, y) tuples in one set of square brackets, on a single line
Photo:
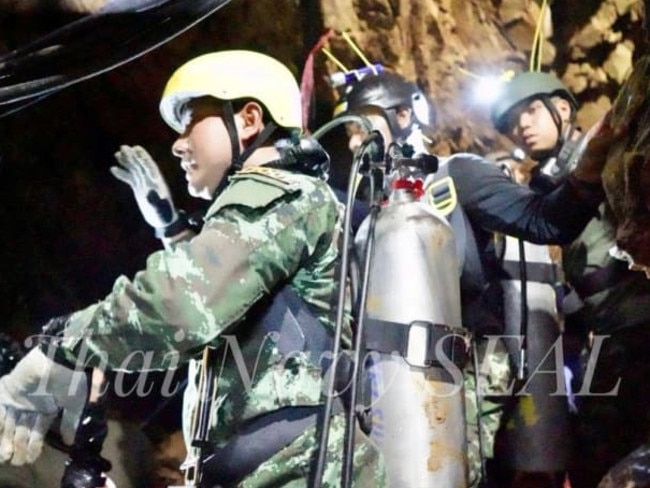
[(357, 378), (91, 46), (523, 326), (373, 137)]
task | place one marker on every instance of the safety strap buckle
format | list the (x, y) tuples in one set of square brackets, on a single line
[(442, 343)]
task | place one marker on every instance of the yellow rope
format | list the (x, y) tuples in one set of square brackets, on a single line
[(358, 52), (334, 60), (535, 63), (542, 15), (533, 48)]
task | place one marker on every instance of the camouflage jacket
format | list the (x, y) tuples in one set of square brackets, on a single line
[(269, 227)]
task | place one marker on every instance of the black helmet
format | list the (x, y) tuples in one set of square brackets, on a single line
[(388, 91), (524, 86)]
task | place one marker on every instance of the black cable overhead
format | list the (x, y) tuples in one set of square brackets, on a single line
[(120, 32)]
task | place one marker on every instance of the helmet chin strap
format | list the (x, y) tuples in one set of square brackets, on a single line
[(562, 138), (558, 124), (557, 161), (231, 127), (238, 157)]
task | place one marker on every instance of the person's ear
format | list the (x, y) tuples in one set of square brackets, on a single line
[(404, 116), (251, 116), (563, 108)]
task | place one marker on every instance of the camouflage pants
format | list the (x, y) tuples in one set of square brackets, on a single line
[(486, 404), (290, 467)]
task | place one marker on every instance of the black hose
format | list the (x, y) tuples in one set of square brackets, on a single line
[(374, 140), (522, 371)]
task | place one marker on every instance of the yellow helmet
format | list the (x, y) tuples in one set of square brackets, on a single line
[(230, 75)]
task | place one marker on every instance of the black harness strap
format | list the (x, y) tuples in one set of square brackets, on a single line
[(295, 328), (256, 442)]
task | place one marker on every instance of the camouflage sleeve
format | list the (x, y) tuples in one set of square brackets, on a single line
[(259, 233)]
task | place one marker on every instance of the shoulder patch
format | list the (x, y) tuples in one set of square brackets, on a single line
[(270, 175), (439, 189), (256, 187), (441, 195)]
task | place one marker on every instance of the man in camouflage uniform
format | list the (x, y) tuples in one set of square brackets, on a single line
[(258, 284)]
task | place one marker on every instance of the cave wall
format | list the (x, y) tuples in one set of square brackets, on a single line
[(589, 44)]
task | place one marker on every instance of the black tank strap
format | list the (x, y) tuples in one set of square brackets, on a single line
[(296, 326), (287, 316), (392, 337)]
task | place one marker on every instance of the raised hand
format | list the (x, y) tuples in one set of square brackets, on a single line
[(138, 170)]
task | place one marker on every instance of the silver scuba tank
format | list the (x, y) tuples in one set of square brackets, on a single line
[(416, 345), (535, 436)]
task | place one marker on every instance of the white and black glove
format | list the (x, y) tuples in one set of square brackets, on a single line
[(138, 170), (31, 397)]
